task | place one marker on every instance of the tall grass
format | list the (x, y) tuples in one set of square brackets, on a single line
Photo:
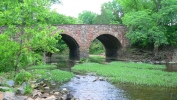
[(130, 72), (45, 72), (97, 59), (54, 75), (42, 67)]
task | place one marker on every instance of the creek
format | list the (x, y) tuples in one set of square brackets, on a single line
[(93, 87)]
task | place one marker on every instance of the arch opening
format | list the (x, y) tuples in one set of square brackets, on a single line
[(111, 44), (73, 47)]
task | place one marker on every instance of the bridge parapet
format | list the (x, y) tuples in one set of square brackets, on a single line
[(112, 37)]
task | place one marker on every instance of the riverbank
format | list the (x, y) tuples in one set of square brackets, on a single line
[(165, 55), (34, 83), (131, 72)]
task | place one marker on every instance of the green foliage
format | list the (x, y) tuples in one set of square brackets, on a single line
[(28, 89), (97, 59), (43, 67), (130, 72), (27, 32), (57, 18), (106, 17), (7, 75), (171, 35), (87, 17), (149, 21), (22, 76), (62, 46), (83, 60), (96, 47), (8, 49), (142, 32), (45, 72), (111, 13), (54, 75), (6, 90)]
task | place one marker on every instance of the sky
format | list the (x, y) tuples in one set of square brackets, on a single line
[(74, 7)]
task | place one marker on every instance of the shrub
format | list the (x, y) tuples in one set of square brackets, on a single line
[(23, 76), (28, 89)]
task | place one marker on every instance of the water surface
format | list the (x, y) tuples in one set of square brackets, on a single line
[(89, 87)]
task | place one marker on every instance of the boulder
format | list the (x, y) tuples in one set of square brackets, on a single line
[(20, 91), (3, 88), (47, 88), (36, 93), (29, 99), (10, 83), (45, 95), (64, 91), (57, 93), (10, 96), (52, 97)]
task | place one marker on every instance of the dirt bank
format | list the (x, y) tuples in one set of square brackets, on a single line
[(134, 54)]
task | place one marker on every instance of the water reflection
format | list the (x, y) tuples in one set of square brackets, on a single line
[(135, 92), (84, 87), (171, 67)]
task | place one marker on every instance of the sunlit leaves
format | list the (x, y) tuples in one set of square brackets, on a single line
[(56, 18), (148, 21), (87, 17), (111, 13), (28, 32)]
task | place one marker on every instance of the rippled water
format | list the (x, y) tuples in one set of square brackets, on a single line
[(91, 87), (88, 88), (83, 87)]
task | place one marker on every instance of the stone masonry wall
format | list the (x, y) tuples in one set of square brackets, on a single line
[(85, 34)]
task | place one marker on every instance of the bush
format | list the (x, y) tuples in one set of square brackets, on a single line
[(28, 89), (23, 76)]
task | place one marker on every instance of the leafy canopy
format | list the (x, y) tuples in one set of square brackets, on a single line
[(26, 29), (150, 22)]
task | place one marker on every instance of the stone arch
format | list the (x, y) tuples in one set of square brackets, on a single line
[(74, 52), (111, 44)]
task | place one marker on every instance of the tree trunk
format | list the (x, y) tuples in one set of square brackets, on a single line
[(44, 57), (155, 51)]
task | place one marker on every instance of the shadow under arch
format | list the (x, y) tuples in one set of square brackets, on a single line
[(111, 44), (73, 47)]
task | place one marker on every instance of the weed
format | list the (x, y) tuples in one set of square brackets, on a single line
[(23, 76), (130, 72), (43, 67)]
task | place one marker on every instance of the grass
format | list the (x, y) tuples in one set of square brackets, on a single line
[(54, 75), (45, 72), (43, 67), (130, 72), (97, 59)]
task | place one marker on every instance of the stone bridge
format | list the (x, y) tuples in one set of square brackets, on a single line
[(79, 38)]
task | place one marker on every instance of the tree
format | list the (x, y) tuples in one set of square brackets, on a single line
[(111, 13), (147, 21), (27, 31), (106, 17), (57, 18), (87, 17)]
